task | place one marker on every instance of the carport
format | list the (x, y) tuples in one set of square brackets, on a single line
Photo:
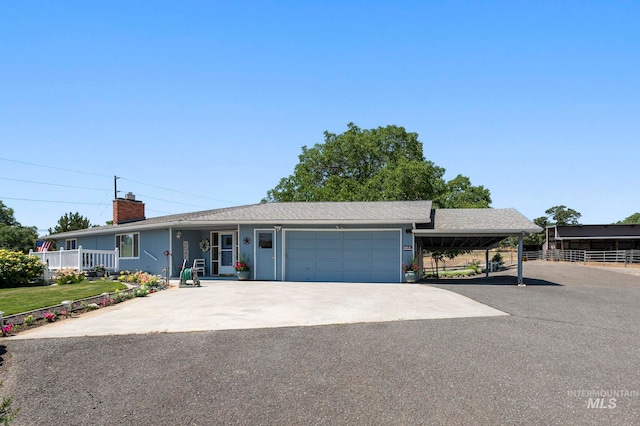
[(472, 229)]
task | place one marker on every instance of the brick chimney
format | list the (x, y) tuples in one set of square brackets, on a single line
[(127, 209)]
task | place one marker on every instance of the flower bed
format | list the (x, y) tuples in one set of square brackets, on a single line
[(27, 320)]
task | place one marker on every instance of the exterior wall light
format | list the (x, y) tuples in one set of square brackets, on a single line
[(178, 234)]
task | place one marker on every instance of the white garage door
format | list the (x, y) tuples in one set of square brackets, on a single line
[(343, 256)]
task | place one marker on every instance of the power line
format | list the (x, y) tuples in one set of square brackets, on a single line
[(53, 201), (130, 180), (53, 167), (169, 201), (54, 184), (178, 192)]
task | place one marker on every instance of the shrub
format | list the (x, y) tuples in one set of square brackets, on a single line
[(69, 276), (17, 268), (7, 413), (497, 258), (29, 320), (141, 291)]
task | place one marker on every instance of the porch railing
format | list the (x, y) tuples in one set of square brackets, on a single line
[(81, 259)]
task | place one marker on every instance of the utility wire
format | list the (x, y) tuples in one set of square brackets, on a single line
[(178, 192), (53, 167), (52, 201), (54, 184), (169, 201), (123, 178)]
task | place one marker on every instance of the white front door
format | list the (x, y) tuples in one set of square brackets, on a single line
[(227, 252)]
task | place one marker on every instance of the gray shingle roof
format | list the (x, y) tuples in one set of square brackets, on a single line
[(389, 211), (286, 213), (470, 220)]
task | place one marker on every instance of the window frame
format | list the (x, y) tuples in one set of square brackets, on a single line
[(135, 241), (71, 240)]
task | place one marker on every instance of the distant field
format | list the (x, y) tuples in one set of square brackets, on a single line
[(510, 258)]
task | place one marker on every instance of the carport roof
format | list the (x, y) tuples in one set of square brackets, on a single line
[(472, 229)]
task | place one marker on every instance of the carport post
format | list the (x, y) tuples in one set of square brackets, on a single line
[(486, 262), (520, 282)]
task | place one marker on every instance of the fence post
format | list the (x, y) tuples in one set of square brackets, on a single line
[(117, 260), (79, 258)]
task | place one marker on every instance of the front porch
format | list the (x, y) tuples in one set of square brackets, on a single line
[(80, 259)]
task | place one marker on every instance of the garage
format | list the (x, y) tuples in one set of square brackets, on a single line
[(371, 256)]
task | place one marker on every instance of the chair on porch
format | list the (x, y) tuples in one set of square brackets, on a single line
[(198, 266)]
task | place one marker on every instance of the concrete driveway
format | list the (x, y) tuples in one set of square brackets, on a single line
[(228, 305)]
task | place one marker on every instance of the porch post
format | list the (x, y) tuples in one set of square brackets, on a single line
[(520, 281), (486, 262), (80, 258)]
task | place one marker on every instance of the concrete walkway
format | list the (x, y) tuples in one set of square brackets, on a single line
[(228, 305)]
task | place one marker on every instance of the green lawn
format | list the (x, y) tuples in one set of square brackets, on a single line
[(23, 299)]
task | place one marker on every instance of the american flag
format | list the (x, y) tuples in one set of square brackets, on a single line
[(43, 245)]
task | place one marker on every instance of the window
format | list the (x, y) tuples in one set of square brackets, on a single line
[(128, 245), (265, 240), (71, 244)]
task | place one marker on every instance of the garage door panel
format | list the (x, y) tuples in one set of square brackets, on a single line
[(358, 266), (357, 235), (358, 276), (303, 264), (329, 276), (386, 236), (296, 254), (329, 244), (383, 265), (357, 244), (357, 255), (329, 254), (301, 275), (335, 265), (300, 244), (382, 254), (352, 256), (329, 235)]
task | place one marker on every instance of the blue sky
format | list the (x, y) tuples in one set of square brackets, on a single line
[(199, 105)]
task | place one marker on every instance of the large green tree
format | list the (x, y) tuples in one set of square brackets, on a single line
[(382, 164), (14, 236), (562, 215), (70, 222), (556, 215), (631, 220)]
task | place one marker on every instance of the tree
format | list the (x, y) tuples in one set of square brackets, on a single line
[(631, 220), (562, 215), (70, 222), (14, 236), (381, 164), (460, 194)]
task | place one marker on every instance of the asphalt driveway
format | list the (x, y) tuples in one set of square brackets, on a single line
[(568, 354)]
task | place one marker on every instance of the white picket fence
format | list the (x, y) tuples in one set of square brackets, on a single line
[(81, 259), (583, 256)]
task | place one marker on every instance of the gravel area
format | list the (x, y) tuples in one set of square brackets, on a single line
[(571, 331)]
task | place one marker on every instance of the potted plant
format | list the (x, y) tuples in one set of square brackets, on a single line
[(243, 270), (411, 270), (99, 270)]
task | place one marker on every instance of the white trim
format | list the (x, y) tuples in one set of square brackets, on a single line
[(275, 250), (284, 242)]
